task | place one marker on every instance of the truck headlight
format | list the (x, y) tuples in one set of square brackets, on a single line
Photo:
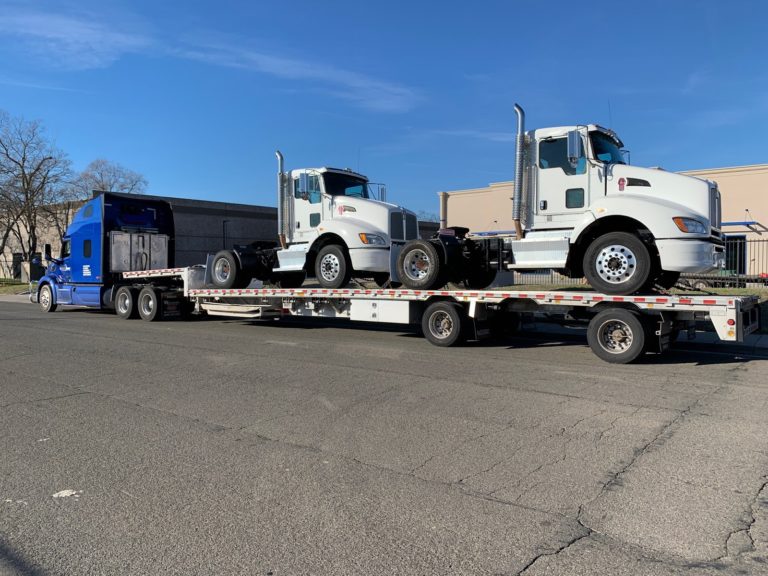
[(372, 239), (690, 225)]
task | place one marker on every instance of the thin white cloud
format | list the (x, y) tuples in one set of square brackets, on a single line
[(38, 86), (360, 89), (81, 41), (70, 41)]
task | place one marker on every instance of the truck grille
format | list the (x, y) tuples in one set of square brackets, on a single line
[(396, 226), (411, 227), (715, 210)]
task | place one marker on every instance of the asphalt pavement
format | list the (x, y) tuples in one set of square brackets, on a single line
[(223, 446)]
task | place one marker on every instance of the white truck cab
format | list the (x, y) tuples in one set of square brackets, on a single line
[(581, 209), (332, 224)]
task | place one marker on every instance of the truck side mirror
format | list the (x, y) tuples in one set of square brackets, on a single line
[(303, 184), (383, 193), (47, 251), (575, 148)]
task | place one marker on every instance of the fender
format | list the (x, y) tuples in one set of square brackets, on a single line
[(654, 213), (348, 229)]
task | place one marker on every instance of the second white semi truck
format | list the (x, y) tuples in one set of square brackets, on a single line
[(332, 224), (580, 209)]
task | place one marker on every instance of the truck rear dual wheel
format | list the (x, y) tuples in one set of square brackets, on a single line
[(617, 263), (226, 271), (149, 304), (617, 335), (418, 266), (125, 302)]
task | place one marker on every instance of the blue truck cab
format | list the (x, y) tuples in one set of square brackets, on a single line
[(111, 234)]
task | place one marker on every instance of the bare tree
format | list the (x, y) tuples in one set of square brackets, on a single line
[(33, 174), (105, 176)]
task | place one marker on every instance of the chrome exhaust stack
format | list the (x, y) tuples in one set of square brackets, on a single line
[(517, 198), (281, 216)]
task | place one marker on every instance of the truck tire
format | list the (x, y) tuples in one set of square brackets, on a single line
[(125, 303), (148, 304), (418, 266), (480, 279), (291, 279), (443, 323), (617, 335), (45, 299), (617, 263), (225, 270), (332, 267)]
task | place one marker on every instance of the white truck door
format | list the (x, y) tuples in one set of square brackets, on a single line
[(562, 191), (307, 209)]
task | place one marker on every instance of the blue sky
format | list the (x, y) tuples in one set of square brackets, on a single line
[(197, 95)]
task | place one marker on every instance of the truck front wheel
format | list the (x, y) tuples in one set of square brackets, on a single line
[(46, 299), (617, 335), (617, 263), (418, 265), (125, 302), (332, 267)]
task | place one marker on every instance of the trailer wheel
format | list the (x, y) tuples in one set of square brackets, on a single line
[(332, 267), (225, 270), (125, 303), (617, 335), (149, 304), (617, 263), (443, 323), (418, 265), (46, 299)]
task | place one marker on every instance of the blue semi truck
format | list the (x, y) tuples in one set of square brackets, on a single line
[(112, 234)]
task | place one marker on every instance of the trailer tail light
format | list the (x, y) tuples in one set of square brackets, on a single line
[(731, 322)]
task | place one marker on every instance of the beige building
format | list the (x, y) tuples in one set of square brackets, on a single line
[(744, 192)]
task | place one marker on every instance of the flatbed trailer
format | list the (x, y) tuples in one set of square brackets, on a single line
[(619, 328)]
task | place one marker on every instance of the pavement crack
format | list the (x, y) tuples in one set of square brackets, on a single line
[(740, 540), (586, 532), (58, 397)]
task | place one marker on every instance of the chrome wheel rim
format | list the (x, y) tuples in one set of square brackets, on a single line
[(616, 264), (441, 324), (147, 304), (417, 264), (123, 303), (330, 267), (222, 270), (615, 336), (45, 297)]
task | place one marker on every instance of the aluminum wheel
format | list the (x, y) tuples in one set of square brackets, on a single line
[(615, 336), (45, 297), (417, 264), (123, 303), (222, 270), (147, 304), (441, 324), (616, 264), (330, 267)]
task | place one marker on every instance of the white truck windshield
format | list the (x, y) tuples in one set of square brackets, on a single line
[(605, 148), (344, 185)]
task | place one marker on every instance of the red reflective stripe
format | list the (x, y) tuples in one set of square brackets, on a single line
[(708, 301), (578, 298), (598, 298), (685, 301), (661, 300), (618, 298)]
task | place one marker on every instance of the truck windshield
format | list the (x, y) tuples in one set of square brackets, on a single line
[(605, 148), (345, 185)]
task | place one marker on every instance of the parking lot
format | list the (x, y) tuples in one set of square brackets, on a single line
[(232, 447)]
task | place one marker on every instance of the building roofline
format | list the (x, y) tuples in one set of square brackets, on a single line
[(745, 168)]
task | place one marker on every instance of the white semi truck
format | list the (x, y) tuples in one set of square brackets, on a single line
[(332, 224), (580, 209)]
